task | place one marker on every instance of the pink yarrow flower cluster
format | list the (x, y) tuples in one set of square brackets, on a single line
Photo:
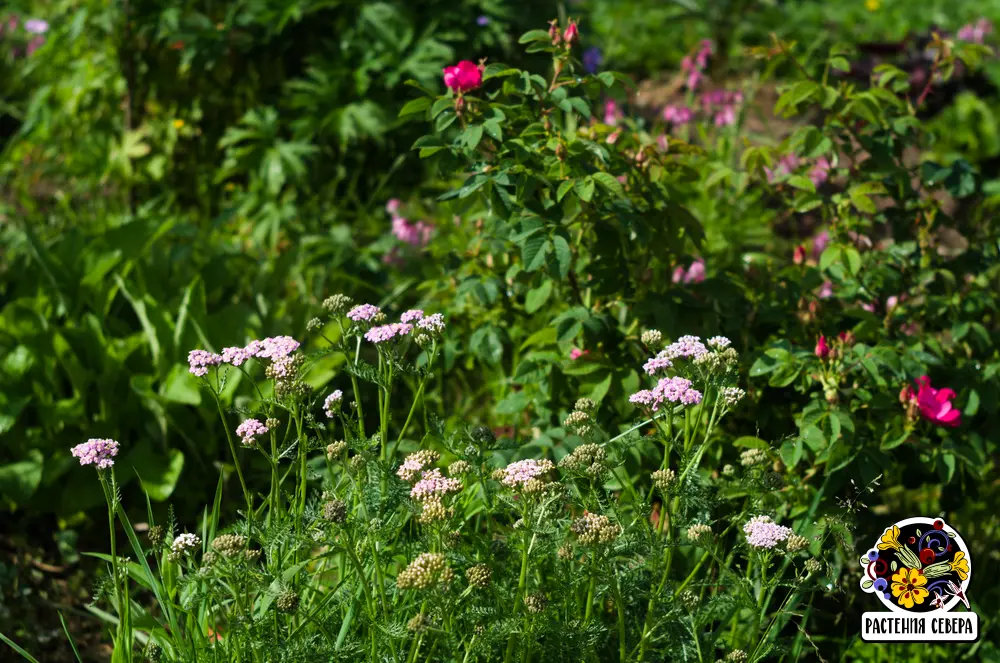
[(687, 347), (199, 362), (520, 472), (762, 532), (693, 274), (384, 333), (656, 364), (416, 234), (99, 452), (411, 316), (433, 486), (672, 390), (274, 348), (249, 430), (364, 313)]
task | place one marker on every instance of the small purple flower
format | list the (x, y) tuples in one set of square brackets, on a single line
[(387, 332), (872, 555), (880, 584), (99, 452), (249, 430), (364, 313), (592, 60), (483, 21), (200, 360), (36, 26)]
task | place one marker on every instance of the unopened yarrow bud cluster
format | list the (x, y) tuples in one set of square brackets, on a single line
[(427, 571), (699, 531), (229, 545), (592, 529), (335, 449), (586, 458), (479, 575), (663, 479), (753, 456)]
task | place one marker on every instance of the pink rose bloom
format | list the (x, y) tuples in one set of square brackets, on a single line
[(576, 353), (976, 32), (826, 290), (870, 307), (820, 242), (891, 303), (463, 76), (696, 272), (799, 256), (935, 404), (678, 276), (822, 349), (393, 206), (820, 172)]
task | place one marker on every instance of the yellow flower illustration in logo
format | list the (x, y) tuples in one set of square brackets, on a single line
[(908, 587), (890, 539), (960, 565)]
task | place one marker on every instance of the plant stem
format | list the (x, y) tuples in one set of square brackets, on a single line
[(236, 460)]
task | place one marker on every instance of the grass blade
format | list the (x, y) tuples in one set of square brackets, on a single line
[(12, 645)]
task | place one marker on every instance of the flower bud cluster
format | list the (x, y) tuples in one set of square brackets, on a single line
[(335, 511), (336, 304), (535, 603), (662, 479), (335, 449), (586, 459), (229, 545), (184, 544), (592, 529), (699, 531), (287, 601), (752, 457), (427, 571), (651, 338), (579, 422), (479, 576), (796, 543), (458, 468)]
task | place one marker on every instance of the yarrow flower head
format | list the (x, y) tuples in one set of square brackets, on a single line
[(275, 347), (332, 403), (762, 532), (433, 486), (337, 304), (249, 430), (200, 360), (364, 313), (433, 323), (673, 390), (185, 543), (687, 347), (719, 342), (656, 364), (99, 452), (732, 395), (651, 338), (385, 333), (411, 316), (415, 463), (518, 474)]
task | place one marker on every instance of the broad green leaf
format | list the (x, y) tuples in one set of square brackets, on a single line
[(537, 297)]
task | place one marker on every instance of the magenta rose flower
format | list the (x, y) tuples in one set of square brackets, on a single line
[(935, 404), (463, 76)]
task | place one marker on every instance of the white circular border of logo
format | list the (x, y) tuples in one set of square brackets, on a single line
[(922, 520)]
